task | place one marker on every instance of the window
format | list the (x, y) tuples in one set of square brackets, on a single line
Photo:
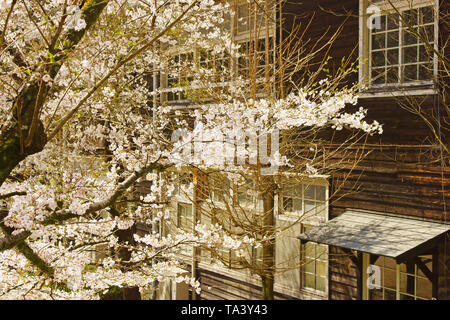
[(247, 196), (315, 265), (404, 281), (181, 76), (218, 69), (183, 184), (308, 201), (224, 255), (216, 66), (184, 219), (305, 199), (398, 43), (252, 58), (219, 188), (251, 16)]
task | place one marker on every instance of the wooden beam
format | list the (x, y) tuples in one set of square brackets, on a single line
[(424, 268), (435, 274)]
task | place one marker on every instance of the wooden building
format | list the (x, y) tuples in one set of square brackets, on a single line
[(388, 237)]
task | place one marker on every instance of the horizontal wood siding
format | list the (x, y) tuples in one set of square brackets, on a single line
[(405, 174), (217, 286)]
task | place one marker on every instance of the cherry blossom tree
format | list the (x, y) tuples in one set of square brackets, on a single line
[(78, 131)]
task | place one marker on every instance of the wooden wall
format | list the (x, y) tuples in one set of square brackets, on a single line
[(406, 173)]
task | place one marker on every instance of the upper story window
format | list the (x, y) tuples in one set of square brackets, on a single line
[(305, 199), (183, 184), (181, 76), (248, 196), (247, 25), (219, 188), (397, 42)]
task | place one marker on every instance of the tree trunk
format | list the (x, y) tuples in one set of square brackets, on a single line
[(127, 236), (29, 102), (268, 248), (267, 287)]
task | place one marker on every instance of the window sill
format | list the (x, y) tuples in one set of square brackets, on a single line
[(313, 294), (419, 89)]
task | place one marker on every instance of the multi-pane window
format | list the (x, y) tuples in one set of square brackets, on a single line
[(292, 200), (217, 66), (247, 195), (315, 264), (251, 16), (404, 281), (388, 282), (181, 76), (414, 285), (184, 218), (307, 199), (219, 188), (401, 44), (183, 183), (253, 58)]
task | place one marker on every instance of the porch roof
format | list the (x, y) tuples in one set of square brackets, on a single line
[(378, 234)]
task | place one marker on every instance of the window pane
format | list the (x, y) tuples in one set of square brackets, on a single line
[(410, 54), (310, 281), (392, 57), (320, 193), (287, 204), (389, 279), (392, 40), (410, 17), (382, 20), (310, 266), (310, 249), (389, 295), (407, 283), (321, 268), (393, 22), (309, 207), (409, 37), (297, 205), (376, 294), (427, 32), (423, 54), (309, 192), (406, 297), (378, 41), (424, 288), (410, 73), (378, 76), (426, 15), (392, 75), (321, 284)]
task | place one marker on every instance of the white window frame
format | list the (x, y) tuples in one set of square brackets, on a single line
[(382, 90), (296, 214), (238, 38), (398, 273), (309, 221)]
